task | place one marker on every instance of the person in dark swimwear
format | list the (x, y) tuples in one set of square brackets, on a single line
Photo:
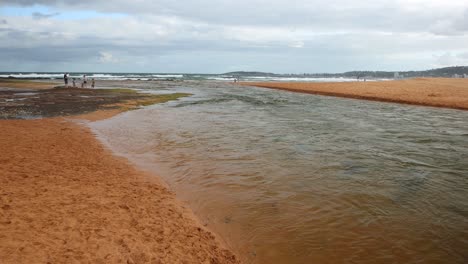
[(65, 79), (85, 81)]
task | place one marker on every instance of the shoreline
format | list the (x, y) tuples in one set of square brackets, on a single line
[(435, 92), (65, 197)]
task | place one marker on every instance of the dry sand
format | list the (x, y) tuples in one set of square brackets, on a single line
[(439, 92), (64, 198)]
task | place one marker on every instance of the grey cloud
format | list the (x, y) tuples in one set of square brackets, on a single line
[(312, 14), (323, 53), (27, 39), (38, 15), (461, 23), (28, 2), (451, 26), (203, 35), (43, 54), (3, 21), (463, 56), (451, 59)]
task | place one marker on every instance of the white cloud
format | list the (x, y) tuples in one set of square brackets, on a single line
[(296, 44), (107, 57)]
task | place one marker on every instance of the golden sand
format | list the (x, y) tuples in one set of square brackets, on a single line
[(64, 198), (439, 92)]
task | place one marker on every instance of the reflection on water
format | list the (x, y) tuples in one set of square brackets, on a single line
[(296, 178)]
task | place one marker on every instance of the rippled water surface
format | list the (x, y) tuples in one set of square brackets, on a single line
[(297, 178)]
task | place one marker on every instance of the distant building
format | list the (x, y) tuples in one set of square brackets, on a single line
[(455, 76), (396, 75), (465, 75)]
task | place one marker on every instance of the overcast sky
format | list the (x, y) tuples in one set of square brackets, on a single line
[(202, 36)]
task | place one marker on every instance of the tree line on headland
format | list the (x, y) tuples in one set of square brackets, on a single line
[(448, 72)]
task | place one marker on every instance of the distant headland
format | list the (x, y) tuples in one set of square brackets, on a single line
[(447, 72)]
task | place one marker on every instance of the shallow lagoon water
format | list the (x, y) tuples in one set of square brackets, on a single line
[(297, 178)]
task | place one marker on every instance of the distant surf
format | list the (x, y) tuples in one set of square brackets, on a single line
[(174, 77)]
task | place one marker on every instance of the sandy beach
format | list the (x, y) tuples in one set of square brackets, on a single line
[(438, 92), (64, 198)]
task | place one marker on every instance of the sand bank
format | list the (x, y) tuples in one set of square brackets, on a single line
[(66, 199), (439, 92)]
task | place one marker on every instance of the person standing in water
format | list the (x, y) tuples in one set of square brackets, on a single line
[(74, 84), (92, 83), (65, 79), (85, 81)]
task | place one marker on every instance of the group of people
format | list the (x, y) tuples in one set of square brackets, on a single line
[(84, 81)]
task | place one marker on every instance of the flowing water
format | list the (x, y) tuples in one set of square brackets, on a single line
[(296, 178)]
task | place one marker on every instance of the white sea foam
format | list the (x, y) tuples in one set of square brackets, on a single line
[(146, 77), (221, 78), (300, 79), (32, 75), (168, 75)]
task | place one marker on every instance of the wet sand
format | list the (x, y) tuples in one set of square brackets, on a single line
[(21, 104), (27, 84), (438, 92), (64, 198)]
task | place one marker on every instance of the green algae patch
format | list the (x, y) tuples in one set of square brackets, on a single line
[(12, 80), (162, 98), (118, 90), (147, 100)]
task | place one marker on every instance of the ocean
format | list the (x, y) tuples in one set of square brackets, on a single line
[(171, 77)]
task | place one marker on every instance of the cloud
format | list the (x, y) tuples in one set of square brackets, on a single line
[(3, 22), (39, 15), (337, 35), (395, 15), (461, 22), (452, 25), (450, 59), (107, 57), (296, 44)]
